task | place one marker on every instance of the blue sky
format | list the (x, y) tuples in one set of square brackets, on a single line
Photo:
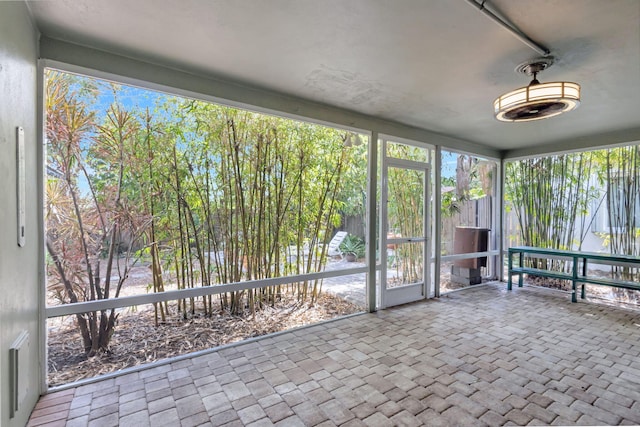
[(449, 164)]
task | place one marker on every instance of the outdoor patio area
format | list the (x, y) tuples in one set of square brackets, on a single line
[(482, 356)]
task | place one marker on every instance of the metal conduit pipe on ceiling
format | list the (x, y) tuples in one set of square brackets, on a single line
[(510, 27)]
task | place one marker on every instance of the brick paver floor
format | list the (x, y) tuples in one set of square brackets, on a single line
[(482, 356)]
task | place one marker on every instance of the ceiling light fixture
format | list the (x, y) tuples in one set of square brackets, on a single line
[(538, 100)]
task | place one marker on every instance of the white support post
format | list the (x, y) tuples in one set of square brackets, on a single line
[(372, 187), (437, 220), (501, 221), (42, 254)]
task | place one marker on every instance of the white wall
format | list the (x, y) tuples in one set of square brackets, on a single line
[(19, 267)]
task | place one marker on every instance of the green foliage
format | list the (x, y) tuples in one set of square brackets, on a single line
[(353, 188), (622, 177), (450, 199), (406, 206), (89, 212), (554, 197), (548, 196), (216, 194), (353, 245)]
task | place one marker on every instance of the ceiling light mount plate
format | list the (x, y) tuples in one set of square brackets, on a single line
[(535, 66), (537, 100)]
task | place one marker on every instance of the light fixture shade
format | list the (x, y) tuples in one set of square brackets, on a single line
[(537, 101)]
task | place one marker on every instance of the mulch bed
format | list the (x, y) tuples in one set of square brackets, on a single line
[(137, 340)]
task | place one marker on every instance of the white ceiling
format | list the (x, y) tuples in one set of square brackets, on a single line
[(437, 65)]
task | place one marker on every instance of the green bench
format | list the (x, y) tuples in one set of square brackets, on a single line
[(579, 273)]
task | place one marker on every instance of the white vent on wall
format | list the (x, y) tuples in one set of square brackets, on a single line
[(18, 363)]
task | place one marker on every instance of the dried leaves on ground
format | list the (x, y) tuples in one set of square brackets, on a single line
[(137, 340)]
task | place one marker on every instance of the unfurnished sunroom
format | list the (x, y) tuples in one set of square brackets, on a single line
[(395, 113)]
